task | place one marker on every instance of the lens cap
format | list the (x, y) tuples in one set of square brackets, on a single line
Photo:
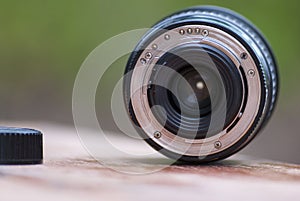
[(20, 146)]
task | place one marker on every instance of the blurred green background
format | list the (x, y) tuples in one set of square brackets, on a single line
[(43, 43)]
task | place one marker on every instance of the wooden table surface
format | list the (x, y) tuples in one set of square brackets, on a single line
[(70, 173)]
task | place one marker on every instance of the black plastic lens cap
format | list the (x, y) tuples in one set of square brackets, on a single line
[(20, 146)]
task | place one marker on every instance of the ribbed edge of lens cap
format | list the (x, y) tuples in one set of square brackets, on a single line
[(20, 146)]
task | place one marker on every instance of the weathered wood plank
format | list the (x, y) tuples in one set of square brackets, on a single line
[(69, 173)]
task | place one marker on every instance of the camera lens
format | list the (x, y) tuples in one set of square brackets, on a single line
[(205, 79), (189, 106)]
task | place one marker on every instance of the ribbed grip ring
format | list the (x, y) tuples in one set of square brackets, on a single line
[(20, 146)]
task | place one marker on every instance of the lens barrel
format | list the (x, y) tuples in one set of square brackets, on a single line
[(206, 79)]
